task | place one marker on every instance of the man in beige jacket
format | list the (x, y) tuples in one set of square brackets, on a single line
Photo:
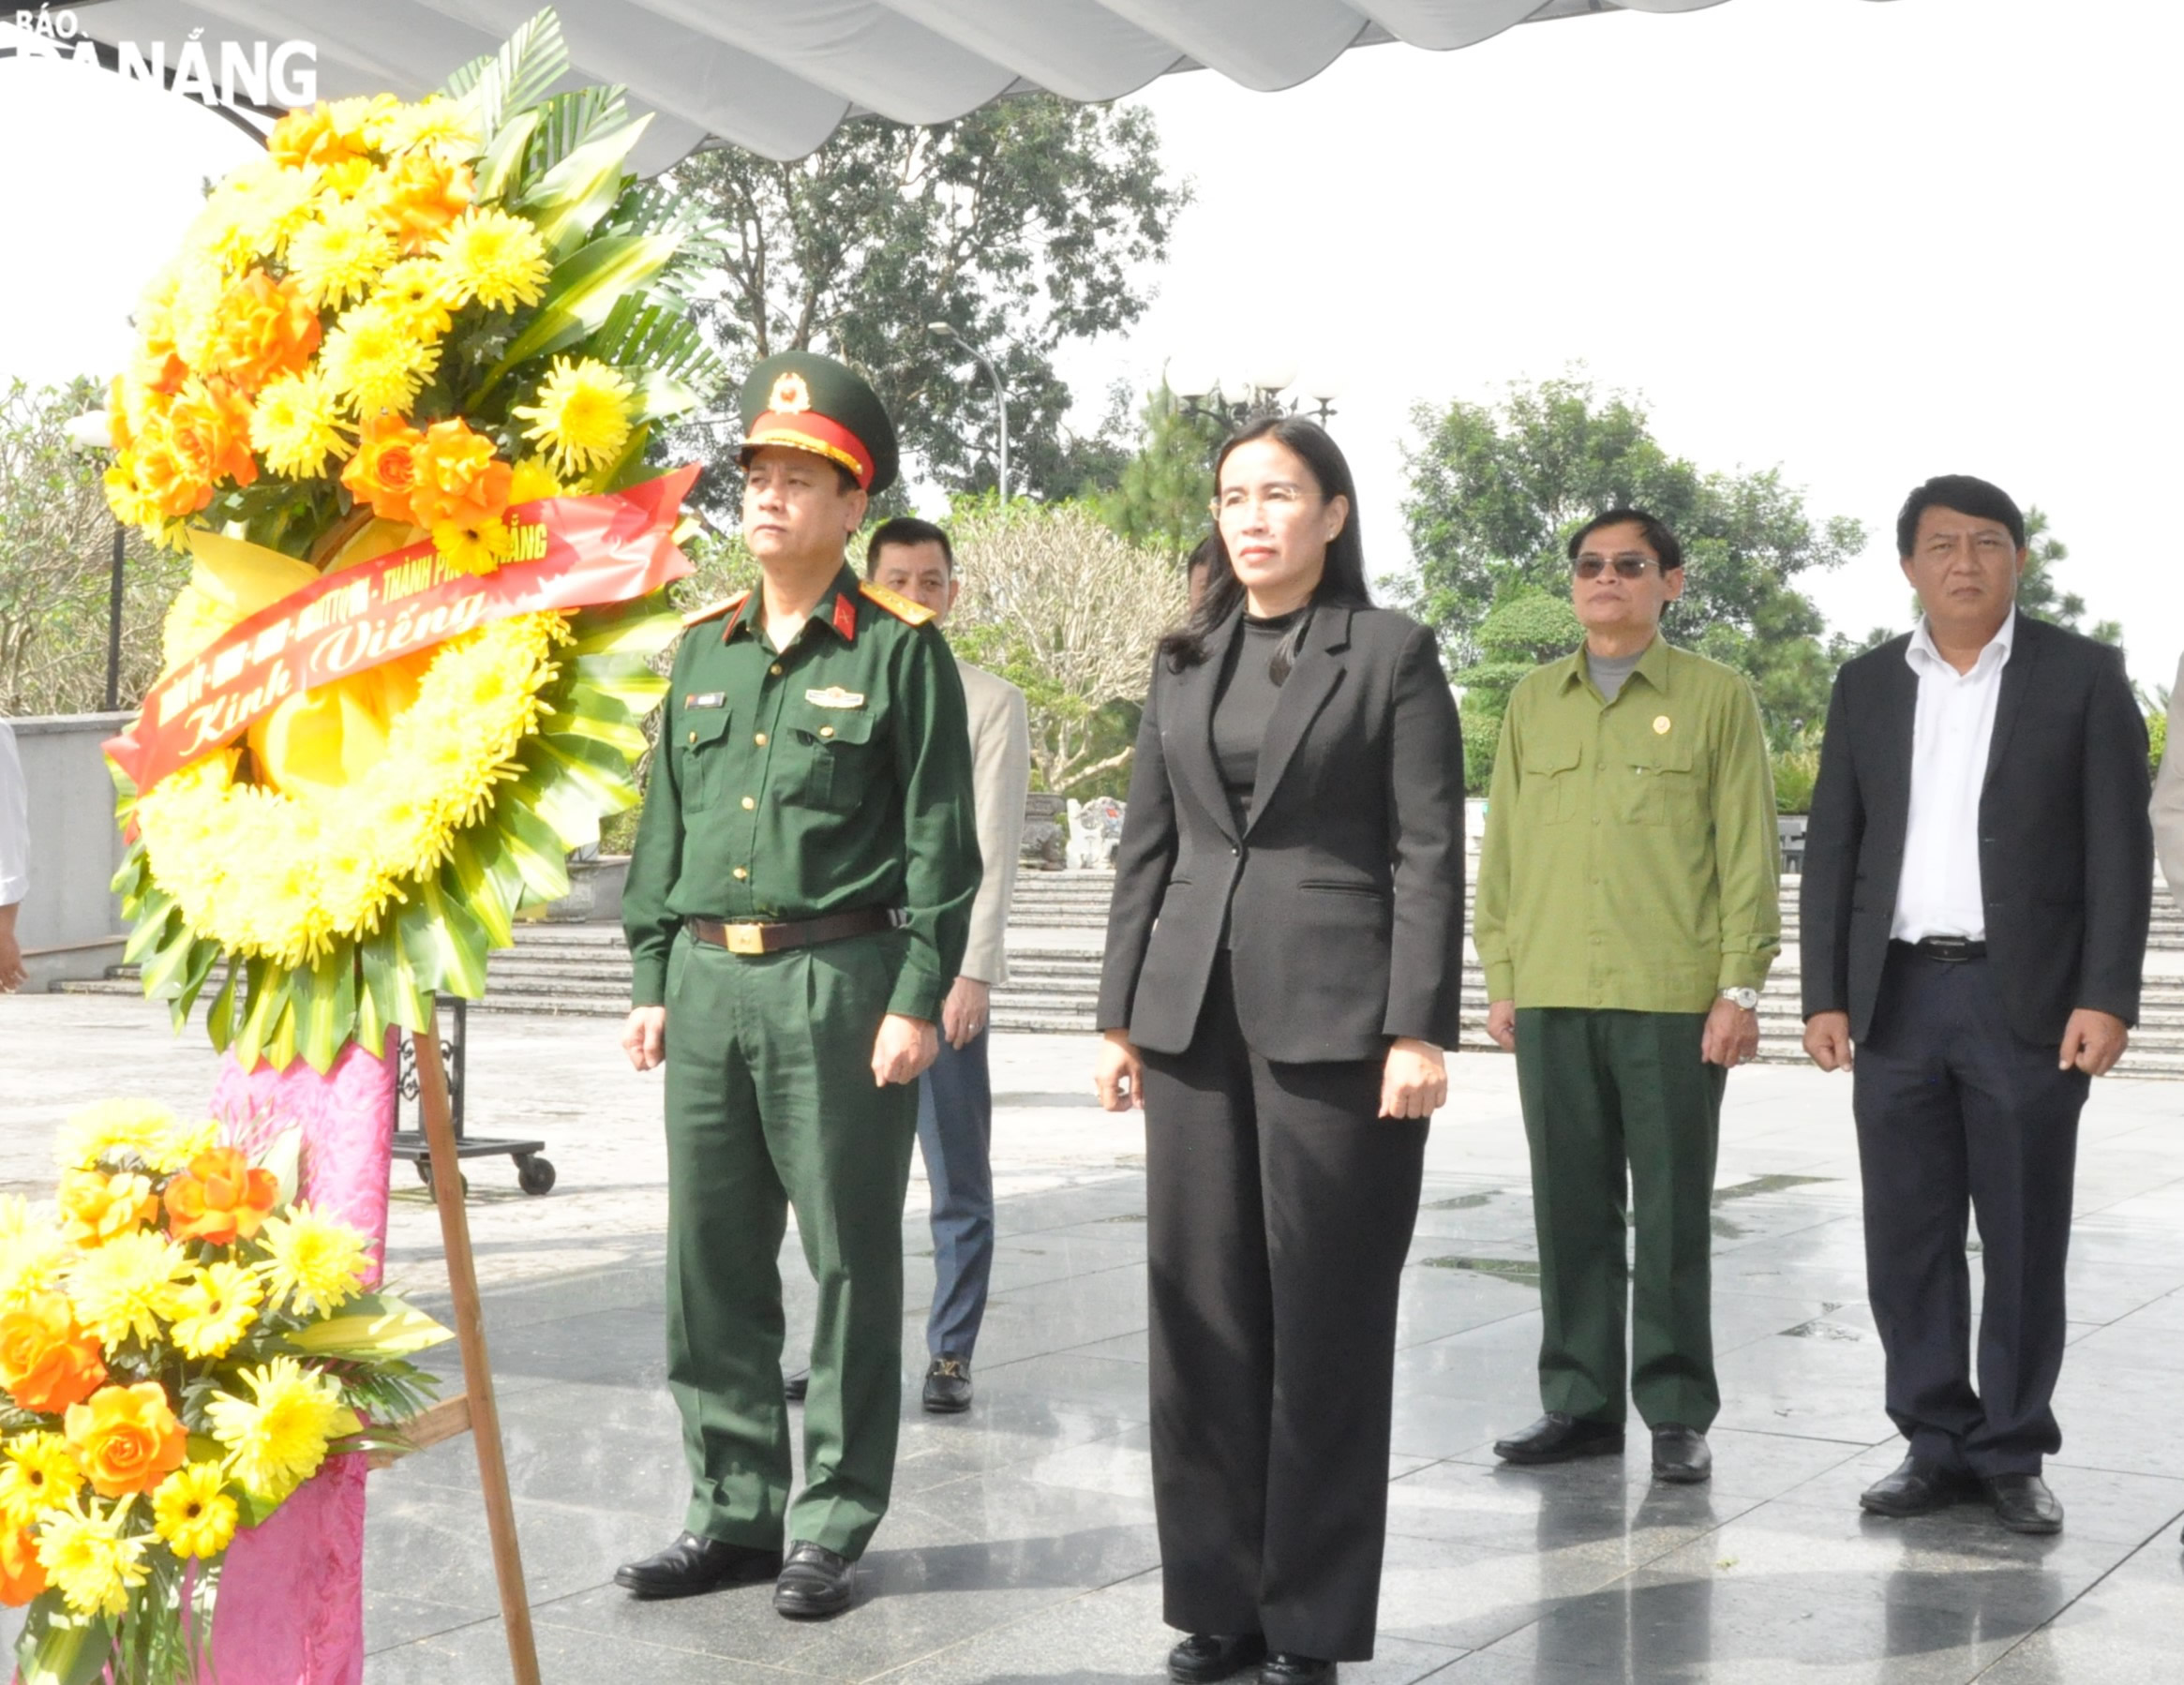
[(955, 1100)]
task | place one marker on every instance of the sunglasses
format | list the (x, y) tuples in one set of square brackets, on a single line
[(1626, 567)]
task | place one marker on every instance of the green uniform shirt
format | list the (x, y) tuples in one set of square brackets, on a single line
[(1631, 857), (832, 776)]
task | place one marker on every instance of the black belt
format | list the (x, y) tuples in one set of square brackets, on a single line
[(774, 938), (1950, 950)]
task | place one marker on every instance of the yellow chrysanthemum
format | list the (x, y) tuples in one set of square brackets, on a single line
[(582, 418), (217, 1309), (477, 549), (192, 1514), (96, 1206), (128, 1286), (89, 1556), (298, 425), (360, 120), (38, 1471), (256, 212), (374, 363), (419, 295), (448, 128), (533, 479), (338, 257), (33, 1260), (118, 1131), (316, 1263), (276, 1439), (495, 258)]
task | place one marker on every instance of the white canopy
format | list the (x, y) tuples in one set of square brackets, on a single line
[(777, 76)]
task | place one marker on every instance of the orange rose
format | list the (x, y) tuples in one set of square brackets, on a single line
[(457, 479), (267, 328), (95, 1207), (127, 1438), (420, 196), (21, 1575), (219, 1198), (210, 428), (384, 471), (47, 1363), (312, 137)]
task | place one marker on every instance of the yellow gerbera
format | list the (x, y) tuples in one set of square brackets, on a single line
[(298, 425), (373, 362), (38, 1471), (191, 1512), (337, 258), (217, 1309), (276, 1439), (129, 1286), (89, 1556), (533, 479), (582, 418), (477, 549), (495, 258), (418, 292), (316, 1263)]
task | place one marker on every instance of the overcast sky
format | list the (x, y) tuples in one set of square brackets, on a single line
[(1867, 243)]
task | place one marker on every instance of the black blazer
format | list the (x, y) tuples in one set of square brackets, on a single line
[(1346, 888), (2066, 852)]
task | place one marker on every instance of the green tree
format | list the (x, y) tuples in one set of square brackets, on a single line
[(1027, 223), (1528, 626), (56, 555), (1496, 489), (2039, 595), (1163, 496)]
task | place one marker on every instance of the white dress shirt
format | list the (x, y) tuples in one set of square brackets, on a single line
[(14, 822), (1939, 893)]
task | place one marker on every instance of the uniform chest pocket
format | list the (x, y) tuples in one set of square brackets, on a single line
[(833, 758), (701, 736), (1661, 785), (1550, 782)]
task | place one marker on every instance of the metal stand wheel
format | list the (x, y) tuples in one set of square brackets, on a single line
[(533, 1174)]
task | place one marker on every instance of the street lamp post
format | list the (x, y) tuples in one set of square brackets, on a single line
[(88, 432), (1207, 395), (941, 330)]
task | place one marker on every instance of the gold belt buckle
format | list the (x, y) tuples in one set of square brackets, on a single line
[(744, 938)]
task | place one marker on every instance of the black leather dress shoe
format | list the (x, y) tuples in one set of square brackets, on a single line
[(694, 1565), (1556, 1438), (794, 1385), (1285, 1668), (947, 1386), (1680, 1454), (1205, 1657), (2023, 1503), (1916, 1487), (814, 1583)]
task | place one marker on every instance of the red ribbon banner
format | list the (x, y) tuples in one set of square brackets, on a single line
[(569, 553)]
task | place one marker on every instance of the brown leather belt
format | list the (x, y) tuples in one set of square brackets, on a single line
[(774, 938)]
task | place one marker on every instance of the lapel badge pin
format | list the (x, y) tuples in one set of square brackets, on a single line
[(1660, 726), (834, 696)]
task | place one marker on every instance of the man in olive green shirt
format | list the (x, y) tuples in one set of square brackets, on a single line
[(797, 903), (1627, 914)]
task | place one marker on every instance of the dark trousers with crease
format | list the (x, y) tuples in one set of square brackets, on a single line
[(1958, 1117), (1279, 1208)]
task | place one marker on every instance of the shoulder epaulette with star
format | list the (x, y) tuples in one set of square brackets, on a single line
[(916, 613), (726, 606)]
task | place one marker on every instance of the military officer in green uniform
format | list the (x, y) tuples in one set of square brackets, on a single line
[(797, 903)]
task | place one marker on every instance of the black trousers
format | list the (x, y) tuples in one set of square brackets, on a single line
[(1956, 1114), (1280, 1210)]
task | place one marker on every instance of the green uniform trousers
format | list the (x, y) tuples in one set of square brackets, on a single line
[(1623, 1113), (771, 1105)]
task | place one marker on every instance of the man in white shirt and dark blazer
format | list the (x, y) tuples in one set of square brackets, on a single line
[(1978, 881), (955, 1098)]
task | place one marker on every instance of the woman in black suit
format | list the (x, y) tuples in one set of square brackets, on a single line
[(1281, 979)]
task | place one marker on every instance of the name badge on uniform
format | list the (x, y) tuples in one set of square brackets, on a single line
[(834, 696), (706, 699)]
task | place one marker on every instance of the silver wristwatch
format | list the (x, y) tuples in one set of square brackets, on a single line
[(1746, 998)]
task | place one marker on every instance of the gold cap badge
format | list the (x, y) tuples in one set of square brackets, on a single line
[(1660, 726), (791, 395)]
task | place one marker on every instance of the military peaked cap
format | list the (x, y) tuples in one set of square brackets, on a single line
[(812, 403)]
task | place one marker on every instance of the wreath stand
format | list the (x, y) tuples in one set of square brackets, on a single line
[(474, 1411)]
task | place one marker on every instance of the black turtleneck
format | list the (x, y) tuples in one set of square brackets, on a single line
[(1244, 704)]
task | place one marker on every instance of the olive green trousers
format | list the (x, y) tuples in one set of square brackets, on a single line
[(772, 1107), (1623, 1119)]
